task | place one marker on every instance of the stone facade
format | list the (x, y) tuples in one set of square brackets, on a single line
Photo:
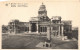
[(41, 24)]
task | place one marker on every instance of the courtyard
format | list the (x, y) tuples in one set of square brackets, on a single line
[(24, 41)]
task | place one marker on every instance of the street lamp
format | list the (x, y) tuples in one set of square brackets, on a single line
[(48, 41)]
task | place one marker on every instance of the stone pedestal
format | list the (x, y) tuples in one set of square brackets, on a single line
[(44, 45), (47, 44)]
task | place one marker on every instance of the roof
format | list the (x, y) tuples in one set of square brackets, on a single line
[(34, 19), (56, 18), (74, 28), (67, 22)]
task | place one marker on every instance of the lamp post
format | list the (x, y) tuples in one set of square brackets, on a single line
[(48, 41), (49, 33)]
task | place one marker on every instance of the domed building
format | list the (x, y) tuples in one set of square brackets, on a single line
[(41, 24)]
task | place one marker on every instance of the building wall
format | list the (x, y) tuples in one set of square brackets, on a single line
[(18, 27), (68, 29), (4, 29), (75, 32)]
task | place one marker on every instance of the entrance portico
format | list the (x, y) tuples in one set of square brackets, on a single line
[(33, 28)]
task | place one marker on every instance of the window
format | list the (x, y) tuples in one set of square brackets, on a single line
[(43, 29), (26, 28), (55, 28)]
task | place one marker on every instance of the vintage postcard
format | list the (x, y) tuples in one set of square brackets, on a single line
[(39, 24)]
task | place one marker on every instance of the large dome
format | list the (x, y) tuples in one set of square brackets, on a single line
[(42, 7)]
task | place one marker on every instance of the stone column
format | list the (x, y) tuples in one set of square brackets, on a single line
[(51, 29), (42, 29), (62, 31), (59, 31), (37, 28), (29, 28)]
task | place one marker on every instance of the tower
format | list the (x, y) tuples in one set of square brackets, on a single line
[(42, 13)]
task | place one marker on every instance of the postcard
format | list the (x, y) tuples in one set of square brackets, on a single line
[(40, 24)]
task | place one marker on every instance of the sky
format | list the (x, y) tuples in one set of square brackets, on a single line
[(68, 10), (3, 0)]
